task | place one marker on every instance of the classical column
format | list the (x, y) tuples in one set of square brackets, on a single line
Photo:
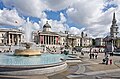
[(43, 39), (48, 40), (12, 42), (9, 42), (53, 40), (18, 39)]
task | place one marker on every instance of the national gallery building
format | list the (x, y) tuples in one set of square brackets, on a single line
[(46, 37), (53, 39)]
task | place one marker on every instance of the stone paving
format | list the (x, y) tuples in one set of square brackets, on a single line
[(95, 70), (87, 69)]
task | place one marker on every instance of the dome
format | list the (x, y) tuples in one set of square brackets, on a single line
[(46, 25)]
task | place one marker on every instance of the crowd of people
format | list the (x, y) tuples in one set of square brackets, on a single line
[(93, 54)]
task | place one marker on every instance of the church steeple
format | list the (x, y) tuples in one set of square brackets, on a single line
[(114, 28), (114, 20)]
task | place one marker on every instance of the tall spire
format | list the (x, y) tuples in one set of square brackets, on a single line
[(114, 20), (114, 15), (114, 28)]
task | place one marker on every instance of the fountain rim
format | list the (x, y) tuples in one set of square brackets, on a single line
[(32, 66)]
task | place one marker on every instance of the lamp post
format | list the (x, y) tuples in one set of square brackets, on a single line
[(112, 43), (66, 46)]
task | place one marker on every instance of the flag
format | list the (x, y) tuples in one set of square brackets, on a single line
[(41, 39)]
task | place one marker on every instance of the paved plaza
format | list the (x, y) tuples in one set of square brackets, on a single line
[(91, 69), (86, 69)]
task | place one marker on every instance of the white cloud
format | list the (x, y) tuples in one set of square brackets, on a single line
[(36, 10), (74, 30), (83, 11), (56, 26), (30, 8), (90, 14), (10, 17), (62, 18), (86, 12), (56, 5)]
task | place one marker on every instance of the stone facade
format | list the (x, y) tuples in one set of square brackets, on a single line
[(99, 42), (10, 37), (49, 38)]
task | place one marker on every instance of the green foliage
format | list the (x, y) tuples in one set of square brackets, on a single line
[(93, 41)]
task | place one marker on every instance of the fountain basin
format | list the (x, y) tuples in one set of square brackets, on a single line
[(49, 69), (27, 52), (47, 64)]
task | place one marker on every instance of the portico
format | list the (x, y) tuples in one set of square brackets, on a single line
[(13, 38), (10, 36), (48, 38)]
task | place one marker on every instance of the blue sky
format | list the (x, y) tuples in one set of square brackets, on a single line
[(75, 16), (54, 15)]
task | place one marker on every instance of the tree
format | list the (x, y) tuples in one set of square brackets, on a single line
[(93, 42)]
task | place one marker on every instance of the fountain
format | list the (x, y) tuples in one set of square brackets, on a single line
[(28, 51), (30, 61)]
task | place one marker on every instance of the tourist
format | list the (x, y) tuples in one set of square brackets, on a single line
[(93, 55), (99, 50), (91, 50), (106, 52), (107, 59), (90, 55), (103, 61), (96, 56), (9, 49), (82, 53)]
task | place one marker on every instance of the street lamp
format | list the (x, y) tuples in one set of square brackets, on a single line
[(112, 44)]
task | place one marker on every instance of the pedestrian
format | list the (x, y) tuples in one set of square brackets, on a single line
[(110, 61), (107, 59), (93, 55), (103, 61), (90, 55), (99, 51), (96, 56)]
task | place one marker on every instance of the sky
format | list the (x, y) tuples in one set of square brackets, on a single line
[(93, 17)]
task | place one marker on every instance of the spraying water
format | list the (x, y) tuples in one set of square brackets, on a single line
[(28, 31)]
